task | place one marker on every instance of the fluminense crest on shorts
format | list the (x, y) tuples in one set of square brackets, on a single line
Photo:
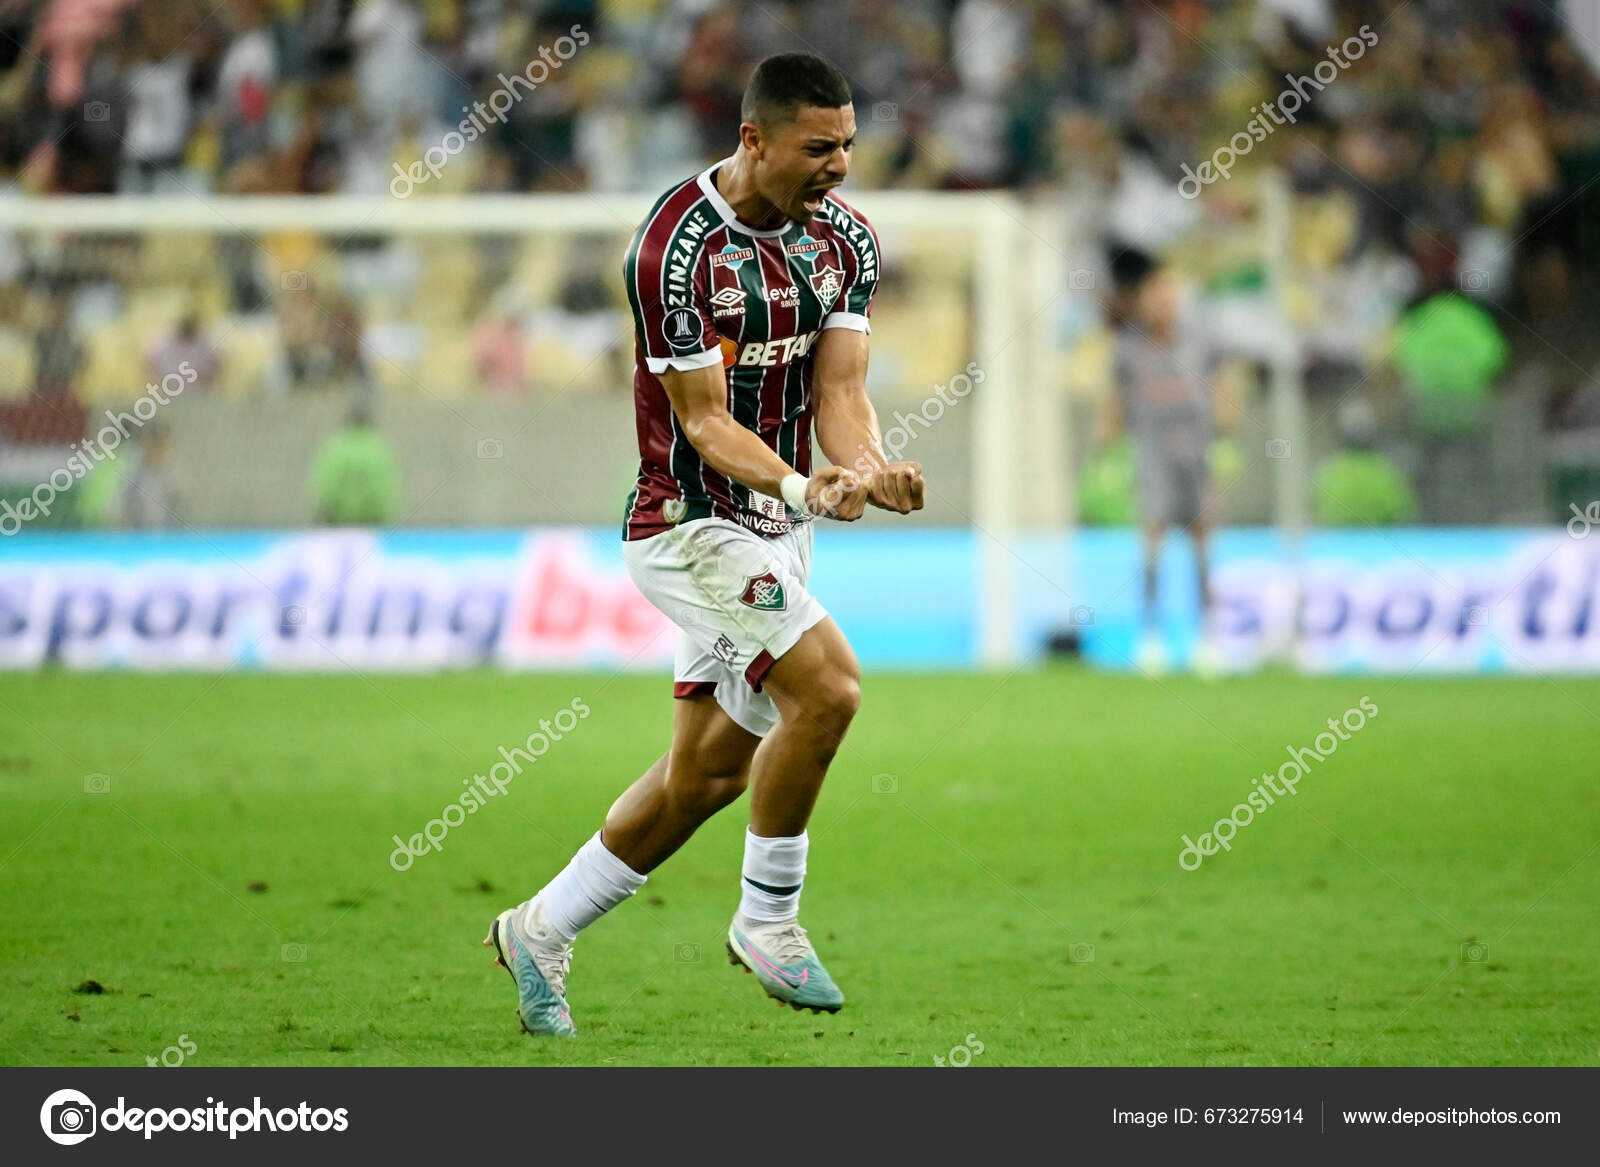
[(764, 592)]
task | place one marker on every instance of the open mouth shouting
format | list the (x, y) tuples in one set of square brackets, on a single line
[(812, 198)]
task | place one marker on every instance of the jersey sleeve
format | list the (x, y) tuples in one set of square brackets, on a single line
[(671, 316), (853, 309)]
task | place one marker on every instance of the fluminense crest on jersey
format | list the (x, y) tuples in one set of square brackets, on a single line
[(825, 282)]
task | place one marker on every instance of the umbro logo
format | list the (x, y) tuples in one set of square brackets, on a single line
[(728, 302)]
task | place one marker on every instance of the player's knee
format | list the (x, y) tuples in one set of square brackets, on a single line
[(705, 789), (718, 790), (846, 697), (833, 702)]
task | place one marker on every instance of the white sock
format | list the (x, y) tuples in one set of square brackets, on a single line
[(587, 888), (774, 870)]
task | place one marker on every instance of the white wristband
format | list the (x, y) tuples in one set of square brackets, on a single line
[(793, 489)]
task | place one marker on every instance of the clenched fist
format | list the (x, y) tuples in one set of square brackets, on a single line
[(897, 487), (837, 493)]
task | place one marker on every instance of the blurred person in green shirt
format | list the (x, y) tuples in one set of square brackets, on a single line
[(355, 476), (1359, 487)]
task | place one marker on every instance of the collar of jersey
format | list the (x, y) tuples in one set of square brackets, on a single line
[(709, 186)]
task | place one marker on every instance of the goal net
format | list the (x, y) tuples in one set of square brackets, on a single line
[(489, 340)]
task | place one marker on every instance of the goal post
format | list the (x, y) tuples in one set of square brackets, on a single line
[(966, 267)]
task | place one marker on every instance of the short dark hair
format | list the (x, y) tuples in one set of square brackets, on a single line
[(784, 84), (1130, 268)]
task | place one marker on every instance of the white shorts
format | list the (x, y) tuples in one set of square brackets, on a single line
[(741, 602)]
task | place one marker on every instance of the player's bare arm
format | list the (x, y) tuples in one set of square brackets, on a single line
[(847, 423), (699, 398)]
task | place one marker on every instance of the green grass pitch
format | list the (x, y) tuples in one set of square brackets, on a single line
[(992, 856)]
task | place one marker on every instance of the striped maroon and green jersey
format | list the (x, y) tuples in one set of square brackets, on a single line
[(708, 290)]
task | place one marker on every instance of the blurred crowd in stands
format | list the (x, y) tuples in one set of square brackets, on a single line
[(1455, 166)]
